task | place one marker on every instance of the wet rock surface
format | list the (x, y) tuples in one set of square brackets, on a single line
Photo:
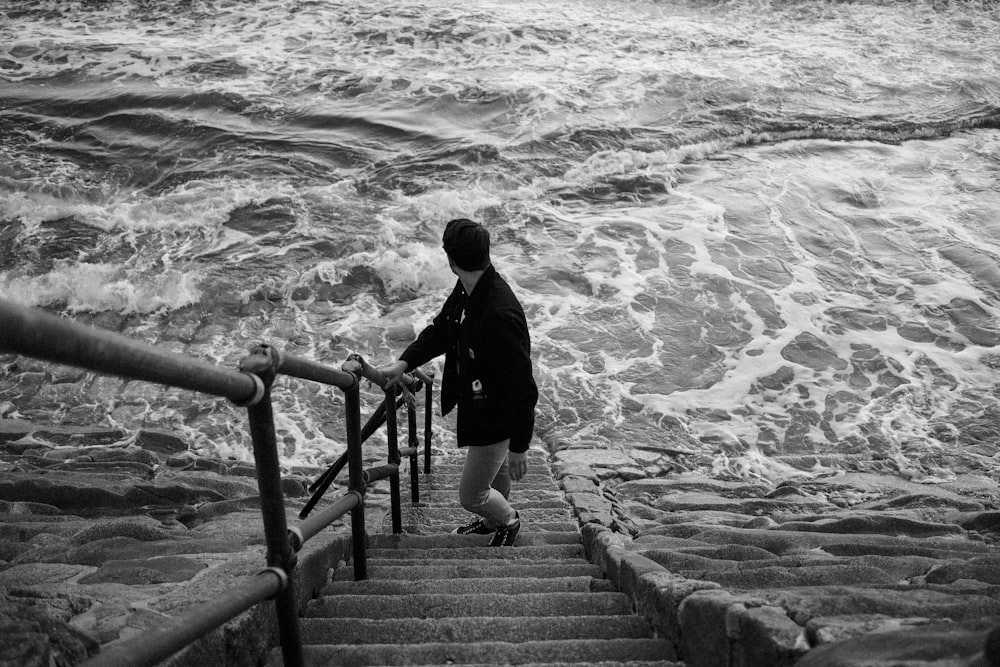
[(106, 533), (855, 568)]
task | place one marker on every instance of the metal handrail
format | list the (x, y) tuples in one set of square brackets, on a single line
[(49, 337), (38, 334), (306, 369), (159, 643), (312, 526)]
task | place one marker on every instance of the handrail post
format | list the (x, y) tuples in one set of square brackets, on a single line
[(428, 416), (356, 480), (392, 432), (262, 363), (414, 442)]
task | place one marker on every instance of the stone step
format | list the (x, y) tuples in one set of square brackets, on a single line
[(441, 598), (484, 566), (521, 497), (602, 663), (540, 532), (538, 537), (534, 473), (509, 554), (587, 651), (450, 502), (536, 478), (445, 516), (444, 605), (533, 533), (450, 484), (450, 490), (452, 480), (473, 570), (445, 492), (505, 585), (482, 629), (538, 465), (457, 460)]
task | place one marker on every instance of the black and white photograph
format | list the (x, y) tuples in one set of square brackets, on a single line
[(652, 333)]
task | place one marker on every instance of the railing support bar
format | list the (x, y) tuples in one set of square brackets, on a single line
[(314, 524), (414, 442), (378, 473), (392, 432), (356, 480), (428, 416), (262, 363)]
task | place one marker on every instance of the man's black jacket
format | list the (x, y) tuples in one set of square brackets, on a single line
[(484, 336)]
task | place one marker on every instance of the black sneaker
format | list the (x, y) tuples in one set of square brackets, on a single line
[(504, 537), (477, 527)]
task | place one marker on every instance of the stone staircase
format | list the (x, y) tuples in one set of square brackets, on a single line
[(433, 598)]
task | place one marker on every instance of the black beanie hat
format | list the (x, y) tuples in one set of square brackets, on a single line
[(467, 244)]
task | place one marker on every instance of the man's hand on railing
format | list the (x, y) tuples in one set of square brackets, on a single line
[(393, 373), (517, 463)]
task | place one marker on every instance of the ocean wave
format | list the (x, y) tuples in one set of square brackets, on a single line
[(96, 288)]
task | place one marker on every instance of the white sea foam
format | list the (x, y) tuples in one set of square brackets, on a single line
[(102, 287)]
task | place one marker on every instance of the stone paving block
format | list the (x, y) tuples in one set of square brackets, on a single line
[(659, 597), (702, 621), (826, 629), (972, 644), (898, 601), (765, 636), (782, 577), (983, 568)]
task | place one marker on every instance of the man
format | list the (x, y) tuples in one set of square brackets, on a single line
[(483, 334)]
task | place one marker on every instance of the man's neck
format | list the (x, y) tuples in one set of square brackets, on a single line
[(470, 279)]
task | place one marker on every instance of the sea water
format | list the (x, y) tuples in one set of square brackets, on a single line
[(760, 234)]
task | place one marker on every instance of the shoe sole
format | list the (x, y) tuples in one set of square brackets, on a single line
[(481, 530)]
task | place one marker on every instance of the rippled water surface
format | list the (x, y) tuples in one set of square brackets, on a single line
[(754, 231)]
